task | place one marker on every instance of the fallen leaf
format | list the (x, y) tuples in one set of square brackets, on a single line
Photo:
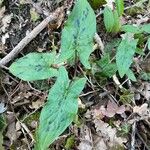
[(146, 91), (142, 110), (37, 104), (11, 132), (2, 108), (5, 22), (4, 38), (109, 134), (34, 15), (110, 111), (2, 11), (86, 139), (99, 144)]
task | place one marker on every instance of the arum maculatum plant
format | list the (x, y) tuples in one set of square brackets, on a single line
[(62, 102), (77, 44)]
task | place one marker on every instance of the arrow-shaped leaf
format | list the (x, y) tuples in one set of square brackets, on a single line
[(78, 33), (34, 66), (60, 110), (124, 55)]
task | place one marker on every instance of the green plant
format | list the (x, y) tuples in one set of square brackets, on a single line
[(77, 44), (112, 16), (78, 33), (60, 110), (125, 52), (62, 103)]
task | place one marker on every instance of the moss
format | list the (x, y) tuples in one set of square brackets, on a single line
[(95, 4), (34, 117), (70, 142), (133, 11)]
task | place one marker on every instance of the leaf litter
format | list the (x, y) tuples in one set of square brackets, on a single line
[(98, 123)]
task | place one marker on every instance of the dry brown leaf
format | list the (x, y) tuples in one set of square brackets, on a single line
[(146, 92), (2, 11), (11, 128), (86, 139), (142, 110), (110, 111), (144, 88), (4, 38), (141, 20), (5, 22), (37, 104), (99, 144), (80, 104), (108, 134)]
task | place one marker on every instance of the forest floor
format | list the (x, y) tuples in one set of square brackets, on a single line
[(114, 113)]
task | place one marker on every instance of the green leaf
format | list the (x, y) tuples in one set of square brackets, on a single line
[(148, 43), (117, 25), (139, 51), (125, 129), (108, 19), (60, 110), (78, 33), (34, 15), (104, 61), (120, 7), (111, 46), (131, 29), (131, 75), (34, 66), (145, 28), (136, 29), (127, 96), (145, 76), (124, 55), (107, 69), (70, 142)]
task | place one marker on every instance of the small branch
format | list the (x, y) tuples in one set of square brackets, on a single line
[(99, 42), (138, 4), (115, 79), (133, 136), (26, 40)]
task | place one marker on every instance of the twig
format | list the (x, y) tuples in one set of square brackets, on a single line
[(147, 147), (115, 79), (23, 131), (133, 136), (53, 16), (90, 92), (99, 42), (138, 4)]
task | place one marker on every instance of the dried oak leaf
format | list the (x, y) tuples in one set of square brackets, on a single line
[(108, 134), (111, 109), (142, 110), (99, 143), (86, 139), (146, 91), (5, 22)]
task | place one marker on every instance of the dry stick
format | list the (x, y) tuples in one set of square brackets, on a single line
[(99, 42), (53, 16), (147, 147), (133, 136)]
